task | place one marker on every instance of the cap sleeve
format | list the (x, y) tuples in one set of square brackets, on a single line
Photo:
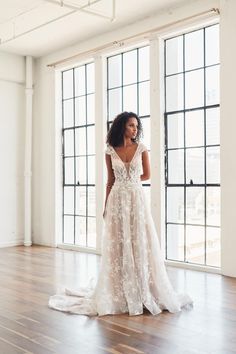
[(143, 147), (108, 150)]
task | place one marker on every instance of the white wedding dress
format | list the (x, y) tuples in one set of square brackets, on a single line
[(132, 271)]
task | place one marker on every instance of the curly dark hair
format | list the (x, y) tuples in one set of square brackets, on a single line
[(115, 135)]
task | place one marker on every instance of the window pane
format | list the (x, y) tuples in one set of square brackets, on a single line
[(144, 99), (68, 114), (109, 125), (195, 244), (195, 205), (213, 246), (194, 128), (130, 67), (80, 81), (213, 164), (91, 201), (115, 103), (92, 232), (146, 131), (80, 111), (90, 78), (130, 98), (91, 169), (195, 166), (212, 85), (175, 242), (80, 141), (114, 71), (212, 45), (69, 229), (144, 65), (174, 55), (69, 170), (175, 204), (176, 166), (90, 109), (80, 231), (175, 130), (81, 201), (213, 206), (91, 139), (194, 55), (194, 89), (174, 93), (67, 77), (69, 200), (81, 170), (69, 142), (212, 126)]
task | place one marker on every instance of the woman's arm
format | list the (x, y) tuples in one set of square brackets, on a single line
[(110, 178), (146, 166)]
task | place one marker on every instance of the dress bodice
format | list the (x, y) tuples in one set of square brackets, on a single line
[(126, 172)]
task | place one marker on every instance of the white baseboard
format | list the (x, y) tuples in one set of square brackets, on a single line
[(192, 266), (79, 249), (46, 244), (21, 243), (12, 243)]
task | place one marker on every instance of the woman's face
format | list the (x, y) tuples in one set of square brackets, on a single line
[(131, 128)]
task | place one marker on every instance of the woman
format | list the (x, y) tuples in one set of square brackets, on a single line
[(132, 273)]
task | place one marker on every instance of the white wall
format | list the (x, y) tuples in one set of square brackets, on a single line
[(228, 135), (44, 124), (12, 123)]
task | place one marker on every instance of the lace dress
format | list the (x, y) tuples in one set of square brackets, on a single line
[(132, 271)]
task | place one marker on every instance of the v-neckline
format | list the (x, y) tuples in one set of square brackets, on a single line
[(129, 162)]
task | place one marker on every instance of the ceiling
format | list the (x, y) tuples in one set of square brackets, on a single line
[(40, 27)]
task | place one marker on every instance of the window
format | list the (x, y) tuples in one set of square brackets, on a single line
[(192, 147), (128, 89), (78, 133)]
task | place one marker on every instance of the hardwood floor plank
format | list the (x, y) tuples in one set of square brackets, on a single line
[(9, 348), (29, 275)]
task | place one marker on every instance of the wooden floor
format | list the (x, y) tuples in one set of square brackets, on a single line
[(29, 275)]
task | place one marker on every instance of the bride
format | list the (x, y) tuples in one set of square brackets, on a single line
[(132, 273)]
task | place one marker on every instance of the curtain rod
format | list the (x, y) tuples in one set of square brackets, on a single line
[(138, 36)]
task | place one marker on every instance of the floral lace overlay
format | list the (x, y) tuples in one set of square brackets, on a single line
[(132, 271), (127, 171)]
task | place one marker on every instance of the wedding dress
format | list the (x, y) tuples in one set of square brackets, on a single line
[(132, 271)]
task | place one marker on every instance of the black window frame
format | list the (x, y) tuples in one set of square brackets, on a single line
[(166, 149), (76, 183)]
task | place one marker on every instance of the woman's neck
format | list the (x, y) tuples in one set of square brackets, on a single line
[(127, 143)]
